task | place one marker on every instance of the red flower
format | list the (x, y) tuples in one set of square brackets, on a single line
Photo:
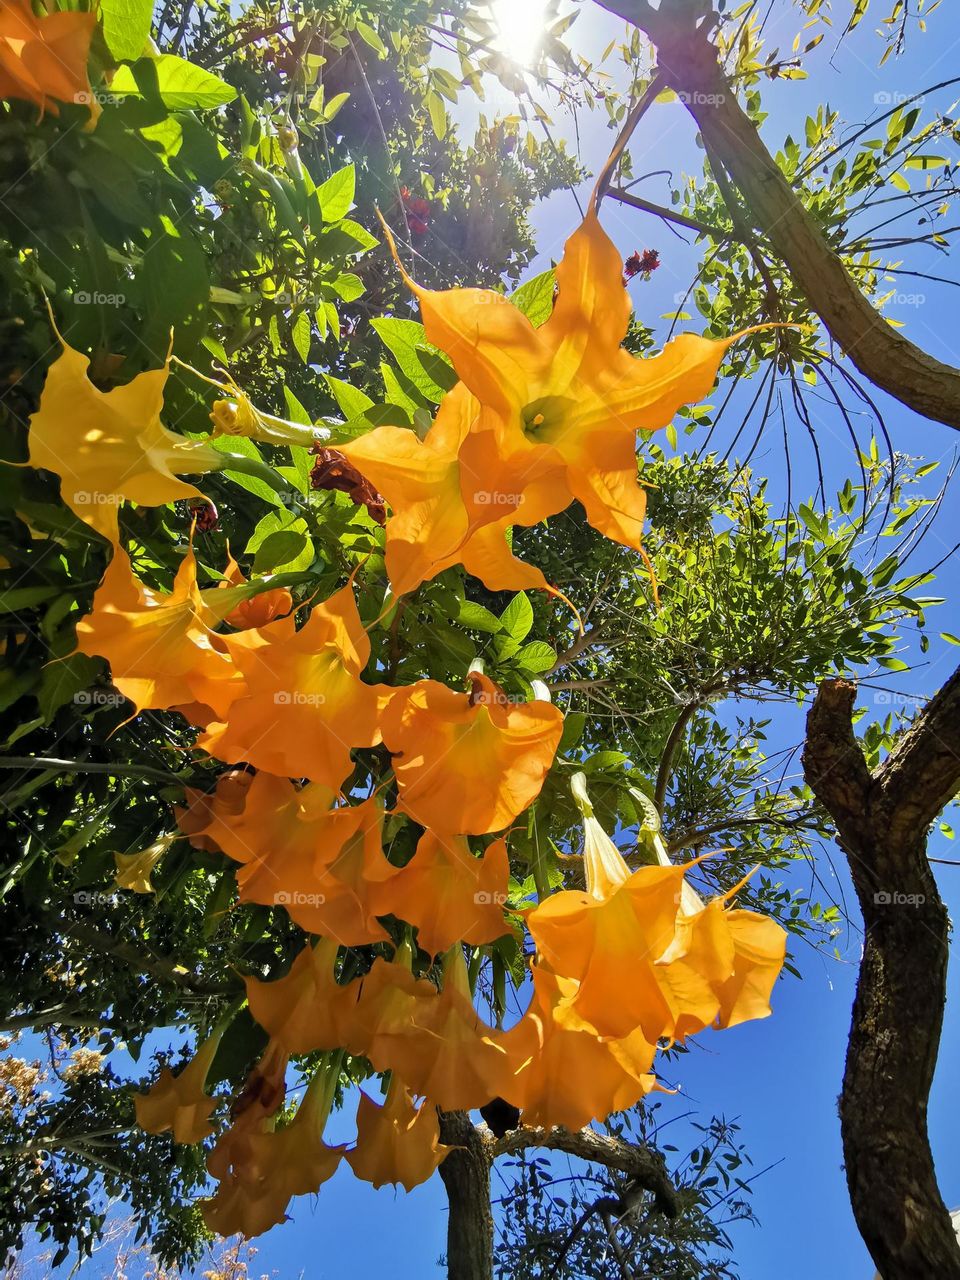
[(205, 514), (641, 264), (417, 212)]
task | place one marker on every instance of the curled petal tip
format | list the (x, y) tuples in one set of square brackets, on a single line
[(407, 278)]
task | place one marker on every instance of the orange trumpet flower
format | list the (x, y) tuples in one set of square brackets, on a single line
[(160, 649), (722, 965), (250, 816), (304, 1009), (274, 1165), (396, 1142), (449, 895), (259, 609), (178, 1102), (444, 742), (337, 885), (44, 59), (647, 952), (449, 1054), (389, 1001), (609, 938), (430, 527), (570, 1074), (305, 705), (560, 405), (261, 1098), (134, 869), (111, 445), (207, 818)]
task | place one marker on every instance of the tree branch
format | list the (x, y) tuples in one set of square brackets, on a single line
[(642, 1164), (691, 67), (882, 822), (669, 215)]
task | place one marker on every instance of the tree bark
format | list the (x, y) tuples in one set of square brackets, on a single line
[(466, 1176), (642, 1165), (690, 65), (882, 821)]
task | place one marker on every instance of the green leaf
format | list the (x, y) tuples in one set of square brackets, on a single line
[(950, 639), (180, 85), (252, 484), (61, 681), (423, 364), (536, 657), (336, 194), (300, 332), (25, 598), (295, 410), (399, 394), (279, 549), (438, 114), (328, 110), (370, 37), (604, 760), (517, 617), (126, 26), (269, 526), (574, 723), (347, 286), (361, 237), (535, 298), (477, 618), (351, 401)]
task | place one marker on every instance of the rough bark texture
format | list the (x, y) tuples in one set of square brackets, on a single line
[(466, 1176), (882, 821), (641, 1165), (690, 65)]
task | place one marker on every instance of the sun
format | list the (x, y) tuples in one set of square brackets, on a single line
[(519, 26)]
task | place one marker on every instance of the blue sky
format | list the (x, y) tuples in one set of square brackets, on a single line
[(779, 1078)]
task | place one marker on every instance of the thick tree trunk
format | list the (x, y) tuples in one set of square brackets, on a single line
[(882, 822), (466, 1176), (689, 63)]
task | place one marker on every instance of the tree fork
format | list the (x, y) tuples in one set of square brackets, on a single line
[(882, 821), (690, 65)]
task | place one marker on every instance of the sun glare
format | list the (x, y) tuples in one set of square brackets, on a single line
[(519, 28)]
